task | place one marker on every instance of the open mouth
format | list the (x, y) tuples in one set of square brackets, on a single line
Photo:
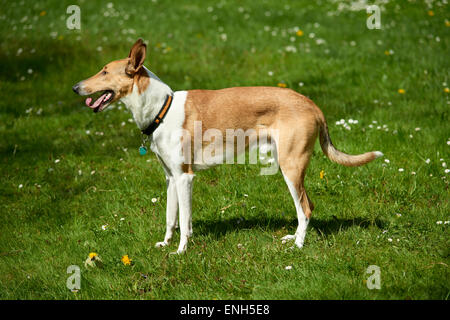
[(101, 102)]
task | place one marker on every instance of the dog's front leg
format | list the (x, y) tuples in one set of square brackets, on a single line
[(184, 191), (171, 211)]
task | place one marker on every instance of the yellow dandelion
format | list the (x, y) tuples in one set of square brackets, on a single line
[(321, 174), (43, 13), (282, 85), (431, 13), (126, 260), (387, 52), (60, 37), (401, 91), (93, 260), (446, 90), (299, 33), (447, 23)]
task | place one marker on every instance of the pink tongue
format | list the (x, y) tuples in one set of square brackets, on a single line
[(98, 101)]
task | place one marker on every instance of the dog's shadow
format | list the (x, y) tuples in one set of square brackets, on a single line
[(218, 228)]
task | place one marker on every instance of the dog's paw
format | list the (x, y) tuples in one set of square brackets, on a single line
[(299, 244), (161, 244), (288, 238), (178, 252)]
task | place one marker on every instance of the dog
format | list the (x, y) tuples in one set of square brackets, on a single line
[(162, 113)]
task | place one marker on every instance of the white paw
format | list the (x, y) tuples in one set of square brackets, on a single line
[(299, 244), (178, 252), (161, 244), (288, 238)]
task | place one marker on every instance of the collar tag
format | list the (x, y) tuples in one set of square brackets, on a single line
[(143, 148)]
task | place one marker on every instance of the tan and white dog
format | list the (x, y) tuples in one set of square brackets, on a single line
[(296, 119)]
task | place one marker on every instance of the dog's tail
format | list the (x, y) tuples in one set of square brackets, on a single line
[(337, 156)]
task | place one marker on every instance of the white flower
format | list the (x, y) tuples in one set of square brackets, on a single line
[(386, 160), (390, 239), (428, 161), (401, 169), (270, 73), (240, 246), (57, 160), (154, 200), (444, 164), (320, 41), (121, 219), (417, 129), (104, 226), (20, 186), (301, 84), (447, 170), (288, 267), (413, 173), (92, 172), (438, 222)]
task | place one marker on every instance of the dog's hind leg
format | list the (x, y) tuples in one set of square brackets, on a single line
[(171, 211), (293, 168)]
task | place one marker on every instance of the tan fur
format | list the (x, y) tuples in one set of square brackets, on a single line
[(297, 119), (121, 75)]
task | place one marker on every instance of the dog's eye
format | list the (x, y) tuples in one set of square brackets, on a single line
[(104, 73)]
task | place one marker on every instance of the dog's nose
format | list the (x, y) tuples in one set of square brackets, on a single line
[(76, 88)]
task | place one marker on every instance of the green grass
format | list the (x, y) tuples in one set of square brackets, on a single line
[(54, 220)]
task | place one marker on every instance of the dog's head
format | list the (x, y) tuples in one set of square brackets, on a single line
[(115, 80)]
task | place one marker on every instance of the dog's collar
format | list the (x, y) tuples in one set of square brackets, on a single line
[(159, 117)]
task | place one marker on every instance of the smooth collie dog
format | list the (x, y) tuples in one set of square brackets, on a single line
[(165, 117)]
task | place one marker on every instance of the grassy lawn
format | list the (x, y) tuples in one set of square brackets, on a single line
[(73, 182)]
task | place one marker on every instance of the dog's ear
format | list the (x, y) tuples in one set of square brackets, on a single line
[(137, 57)]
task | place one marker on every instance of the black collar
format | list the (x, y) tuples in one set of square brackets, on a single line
[(159, 117)]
